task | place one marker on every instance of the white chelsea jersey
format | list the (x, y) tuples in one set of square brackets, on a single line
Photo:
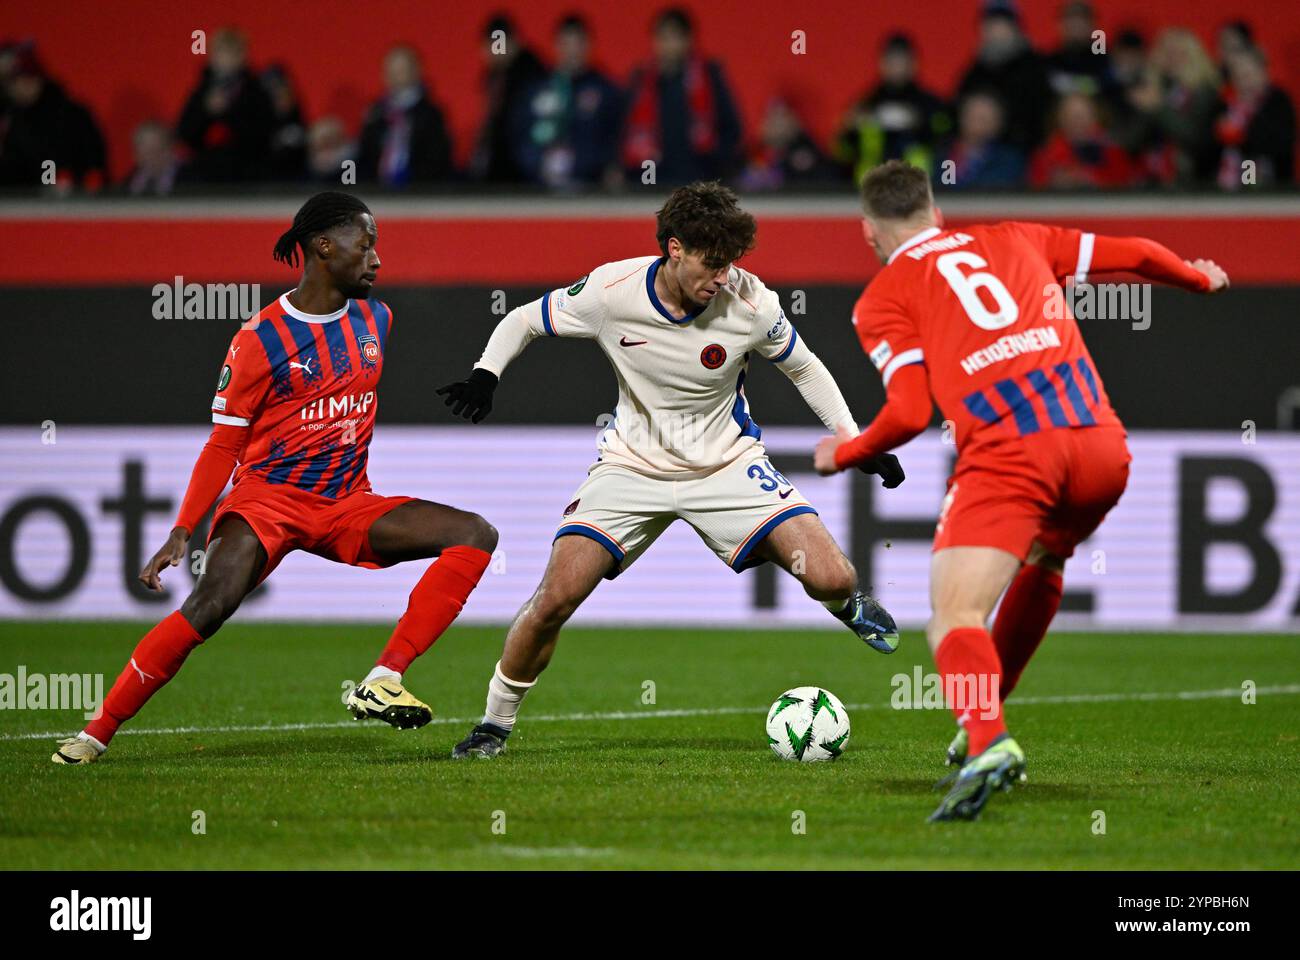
[(682, 410)]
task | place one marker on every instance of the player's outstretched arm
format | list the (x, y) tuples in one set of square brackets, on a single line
[(212, 470), (906, 413), (822, 394), (817, 387), (1154, 261), (471, 398), (560, 313)]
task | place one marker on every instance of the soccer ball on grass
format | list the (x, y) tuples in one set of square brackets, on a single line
[(807, 724)]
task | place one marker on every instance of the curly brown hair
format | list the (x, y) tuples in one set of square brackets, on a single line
[(706, 218)]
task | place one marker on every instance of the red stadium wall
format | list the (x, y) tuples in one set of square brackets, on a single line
[(467, 249), (131, 60)]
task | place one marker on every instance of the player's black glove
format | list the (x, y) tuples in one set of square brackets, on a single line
[(888, 467), (471, 398)]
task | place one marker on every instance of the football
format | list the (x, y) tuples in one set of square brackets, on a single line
[(807, 724)]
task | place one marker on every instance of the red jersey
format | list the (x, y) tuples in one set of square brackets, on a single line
[(306, 388), (983, 310)]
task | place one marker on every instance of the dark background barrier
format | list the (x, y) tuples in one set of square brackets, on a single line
[(97, 355)]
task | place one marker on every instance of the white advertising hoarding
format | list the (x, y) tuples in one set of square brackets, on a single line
[(1207, 535)]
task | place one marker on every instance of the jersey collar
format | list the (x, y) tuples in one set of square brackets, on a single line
[(921, 237), (654, 297), (297, 314)]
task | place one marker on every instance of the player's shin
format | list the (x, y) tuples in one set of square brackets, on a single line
[(156, 659), (435, 602), (503, 699), (972, 677), (1022, 621)]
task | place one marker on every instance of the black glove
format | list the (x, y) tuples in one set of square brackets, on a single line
[(890, 470), (471, 398)]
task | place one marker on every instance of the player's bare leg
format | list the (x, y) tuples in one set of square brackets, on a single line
[(803, 547), (463, 543), (576, 566), (235, 559), (965, 583), (1026, 612)]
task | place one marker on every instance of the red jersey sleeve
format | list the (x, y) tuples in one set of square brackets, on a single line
[(889, 338), (217, 461), (243, 382), (1076, 253), (905, 414), (1148, 259)]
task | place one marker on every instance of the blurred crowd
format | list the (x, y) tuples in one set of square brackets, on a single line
[(1108, 111)]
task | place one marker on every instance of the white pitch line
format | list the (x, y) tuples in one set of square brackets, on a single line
[(1223, 693)]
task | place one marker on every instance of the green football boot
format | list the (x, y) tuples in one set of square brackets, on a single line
[(873, 624), (998, 768), (958, 749)]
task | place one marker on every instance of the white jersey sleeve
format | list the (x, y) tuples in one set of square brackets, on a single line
[(776, 338), (573, 311), (775, 334)]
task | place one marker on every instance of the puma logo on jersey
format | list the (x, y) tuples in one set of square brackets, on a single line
[(625, 342), (294, 365)]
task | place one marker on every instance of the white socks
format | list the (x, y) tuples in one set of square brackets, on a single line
[(503, 699), (837, 606), (382, 673), (92, 741)]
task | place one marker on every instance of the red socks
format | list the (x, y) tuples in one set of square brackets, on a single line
[(1026, 612), (156, 659), (968, 663), (435, 602)]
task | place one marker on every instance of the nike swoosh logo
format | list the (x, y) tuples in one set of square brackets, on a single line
[(625, 342), (786, 494), (391, 693)]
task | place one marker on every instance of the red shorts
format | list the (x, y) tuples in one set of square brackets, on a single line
[(286, 518), (1054, 487)]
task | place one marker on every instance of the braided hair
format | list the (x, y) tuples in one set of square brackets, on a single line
[(320, 213)]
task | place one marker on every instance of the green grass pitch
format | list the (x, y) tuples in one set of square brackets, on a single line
[(1148, 729)]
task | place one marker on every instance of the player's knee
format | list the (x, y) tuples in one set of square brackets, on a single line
[(832, 580), (480, 534), (552, 609), (207, 610), (1040, 556), (954, 618), (845, 579)]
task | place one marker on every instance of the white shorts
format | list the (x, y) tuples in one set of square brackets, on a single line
[(732, 510)]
